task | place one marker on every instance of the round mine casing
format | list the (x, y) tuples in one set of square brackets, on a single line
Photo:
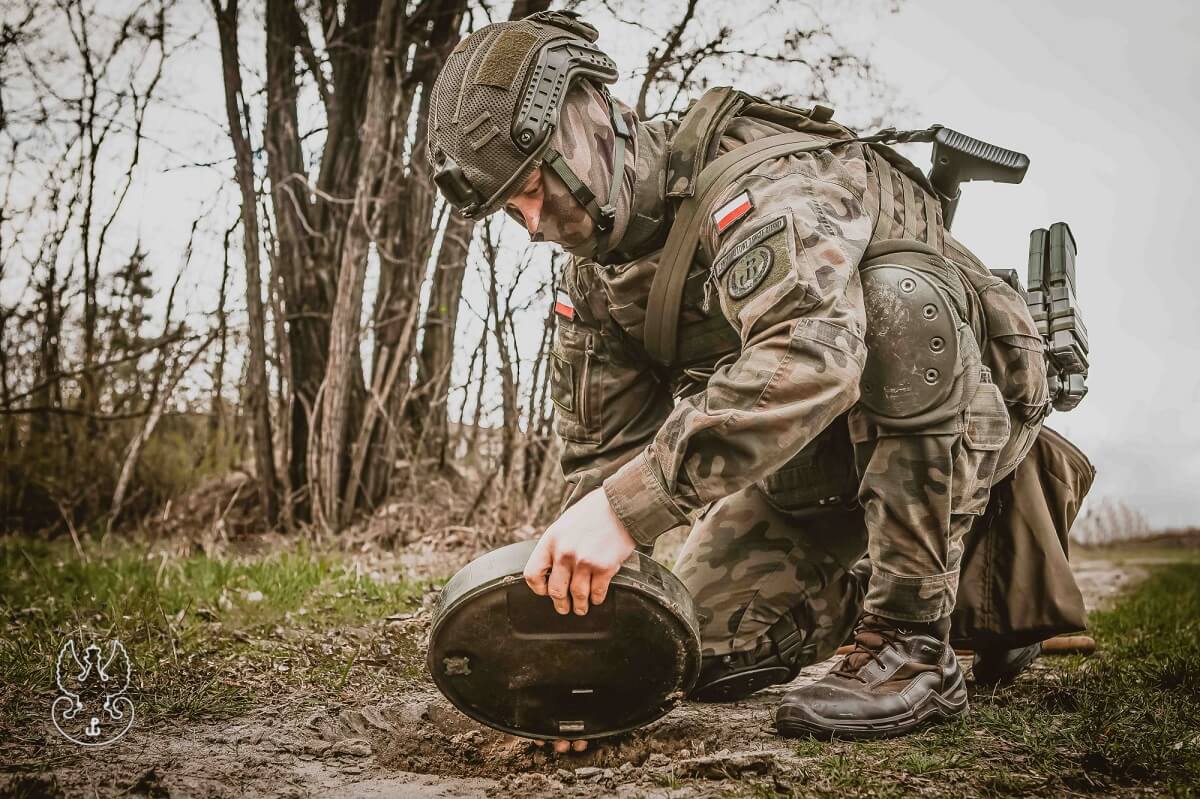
[(503, 656)]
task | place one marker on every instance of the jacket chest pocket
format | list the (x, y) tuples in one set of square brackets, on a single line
[(576, 383)]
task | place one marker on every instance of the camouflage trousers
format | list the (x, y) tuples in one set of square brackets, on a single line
[(748, 560), (925, 480), (747, 563)]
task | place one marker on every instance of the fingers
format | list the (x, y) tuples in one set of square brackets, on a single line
[(556, 586), (561, 746), (538, 565), (581, 589), (600, 583)]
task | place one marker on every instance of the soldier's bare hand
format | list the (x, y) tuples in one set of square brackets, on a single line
[(577, 556)]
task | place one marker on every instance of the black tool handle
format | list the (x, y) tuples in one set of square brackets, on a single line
[(958, 158)]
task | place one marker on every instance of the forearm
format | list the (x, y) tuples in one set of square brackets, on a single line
[(754, 416)]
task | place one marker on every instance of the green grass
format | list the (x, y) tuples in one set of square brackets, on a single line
[(204, 644), (1127, 719)]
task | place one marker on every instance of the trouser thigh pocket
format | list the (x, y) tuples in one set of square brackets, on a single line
[(985, 432)]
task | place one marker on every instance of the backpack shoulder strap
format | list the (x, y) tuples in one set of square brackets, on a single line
[(666, 290)]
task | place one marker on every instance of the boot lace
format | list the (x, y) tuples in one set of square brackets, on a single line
[(871, 637)]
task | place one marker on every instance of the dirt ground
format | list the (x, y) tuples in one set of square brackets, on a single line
[(415, 744)]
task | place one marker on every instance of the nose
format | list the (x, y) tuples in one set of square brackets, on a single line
[(530, 209)]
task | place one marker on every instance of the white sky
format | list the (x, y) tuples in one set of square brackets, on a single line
[(1100, 95)]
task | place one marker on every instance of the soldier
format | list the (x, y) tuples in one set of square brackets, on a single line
[(792, 436)]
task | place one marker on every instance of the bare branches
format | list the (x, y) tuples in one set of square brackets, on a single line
[(658, 60), (58, 377), (790, 52)]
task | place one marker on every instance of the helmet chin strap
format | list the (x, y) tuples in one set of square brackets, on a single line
[(603, 216)]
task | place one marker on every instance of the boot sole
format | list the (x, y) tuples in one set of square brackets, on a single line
[(802, 723), (735, 687)]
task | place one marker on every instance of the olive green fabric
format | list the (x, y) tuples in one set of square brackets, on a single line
[(1017, 586)]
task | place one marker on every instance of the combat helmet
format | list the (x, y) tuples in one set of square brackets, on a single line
[(496, 103)]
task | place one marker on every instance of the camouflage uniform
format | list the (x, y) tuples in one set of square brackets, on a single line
[(727, 444)]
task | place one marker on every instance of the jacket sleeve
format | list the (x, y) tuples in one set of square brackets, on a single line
[(787, 278), (608, 399)]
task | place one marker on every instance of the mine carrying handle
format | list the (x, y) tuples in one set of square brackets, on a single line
[(958, 158)]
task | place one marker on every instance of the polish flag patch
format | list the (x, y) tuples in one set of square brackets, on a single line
[(563, 305), (732, 211)]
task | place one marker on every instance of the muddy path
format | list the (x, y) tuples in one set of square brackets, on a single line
[(415, 744)]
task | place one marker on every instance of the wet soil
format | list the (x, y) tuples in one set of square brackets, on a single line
[(416, 744)]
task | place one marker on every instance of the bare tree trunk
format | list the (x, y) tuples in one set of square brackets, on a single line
[(547, 471), (441, 322), (257, 392), (331, 419), (477, 415), (304, 253), (217, 421), (377, 404), (159, 404), (501, 325), (406, 234)]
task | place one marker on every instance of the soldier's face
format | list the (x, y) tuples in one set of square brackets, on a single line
[(525, 206), (549, 212)]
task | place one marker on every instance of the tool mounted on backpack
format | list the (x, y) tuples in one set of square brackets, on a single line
[(1050, 283), (1051, 301)]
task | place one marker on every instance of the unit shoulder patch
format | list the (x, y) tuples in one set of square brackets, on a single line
[(760, 260), (744, 246)]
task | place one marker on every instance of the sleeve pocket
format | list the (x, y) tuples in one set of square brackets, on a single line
[(833, 335)]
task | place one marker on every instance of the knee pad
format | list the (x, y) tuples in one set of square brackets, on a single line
[(912, 342)]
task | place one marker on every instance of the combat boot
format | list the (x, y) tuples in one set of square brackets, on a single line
[(1002, 666), (894, 681), (801, 637)]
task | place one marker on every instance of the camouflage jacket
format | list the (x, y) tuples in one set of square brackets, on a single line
[(774, 299)]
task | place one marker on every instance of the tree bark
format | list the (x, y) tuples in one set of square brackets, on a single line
[(332, 417), (304, 257), (257, 394), (430, 414)]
